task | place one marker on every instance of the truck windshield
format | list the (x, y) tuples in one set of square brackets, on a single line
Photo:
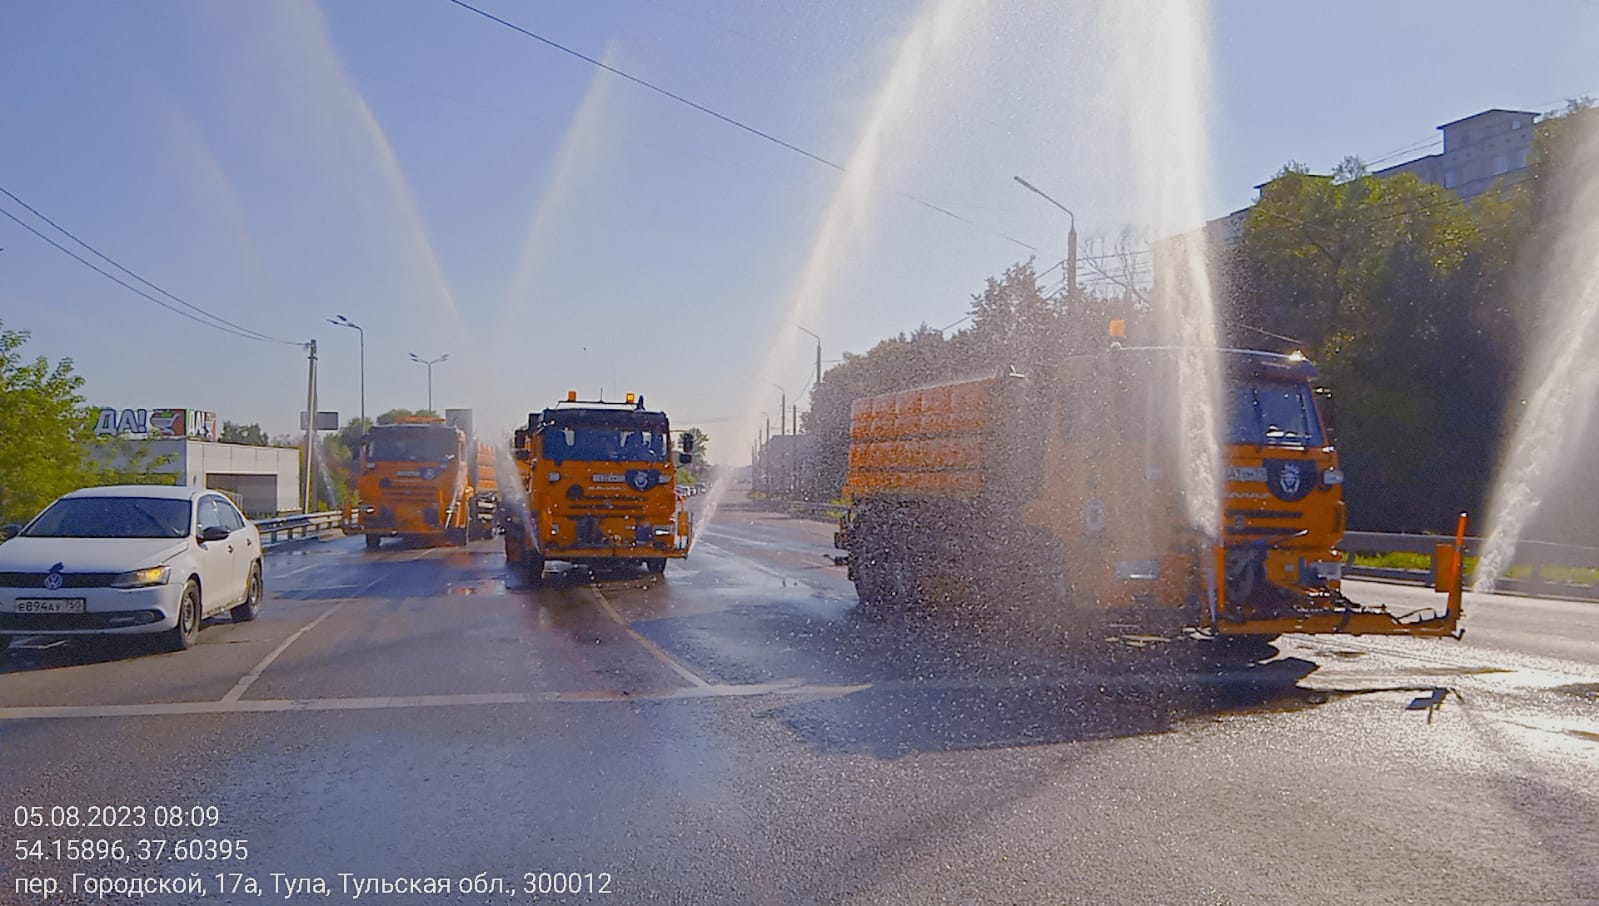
[(412, 443), (605, 445), (1272, 413)]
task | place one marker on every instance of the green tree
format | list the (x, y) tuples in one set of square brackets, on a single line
[(234, 433), (1395, 287), (50, 447)]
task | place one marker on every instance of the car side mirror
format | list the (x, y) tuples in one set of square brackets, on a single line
[(10, 530), (214, 533)]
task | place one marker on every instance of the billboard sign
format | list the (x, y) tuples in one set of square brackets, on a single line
[(325, 420), (153, 423)]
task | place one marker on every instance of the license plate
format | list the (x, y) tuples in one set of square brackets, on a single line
[(50, 605), (614, 479)]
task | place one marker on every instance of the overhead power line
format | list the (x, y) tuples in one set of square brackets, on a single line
[(216, 322), (735, 123)]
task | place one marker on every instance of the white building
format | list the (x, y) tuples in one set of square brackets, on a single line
[(266, 480), (1478, 151)]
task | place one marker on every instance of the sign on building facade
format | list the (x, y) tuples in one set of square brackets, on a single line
[(191, 423)]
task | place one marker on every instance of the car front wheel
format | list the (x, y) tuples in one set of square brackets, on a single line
[(247, 611), (187, 631)]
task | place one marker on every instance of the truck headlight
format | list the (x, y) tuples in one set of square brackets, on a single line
[(143, 578)]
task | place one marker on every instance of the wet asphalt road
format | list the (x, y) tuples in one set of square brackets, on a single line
[(734, 733)]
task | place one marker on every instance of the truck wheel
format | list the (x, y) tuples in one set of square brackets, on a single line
[(656, 565), (457, 536), (533, 568), (874, 602), (373, 542)]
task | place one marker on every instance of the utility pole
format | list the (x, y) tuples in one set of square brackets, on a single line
[(782, 409), (1071, 236), (310, 429)]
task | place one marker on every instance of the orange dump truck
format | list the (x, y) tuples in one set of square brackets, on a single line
[(1057, 497), (425, 479)]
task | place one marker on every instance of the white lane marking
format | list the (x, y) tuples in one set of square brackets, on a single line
[(280, 705), (291, 573), (248, 679), (786, 577), (648, 645)]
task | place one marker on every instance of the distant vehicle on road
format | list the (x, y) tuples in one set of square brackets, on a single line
[(130, 560), (598, 485), (424, 478)]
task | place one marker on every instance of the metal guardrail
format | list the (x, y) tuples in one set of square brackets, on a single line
[(1534, 554), (300, 525)]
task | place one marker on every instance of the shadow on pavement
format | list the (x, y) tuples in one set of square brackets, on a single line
[(940, 684), (939, 713), (29, 654)]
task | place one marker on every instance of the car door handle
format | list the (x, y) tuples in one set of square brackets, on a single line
[(230, 548)]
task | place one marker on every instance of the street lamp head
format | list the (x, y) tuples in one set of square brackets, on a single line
[(442, 357)]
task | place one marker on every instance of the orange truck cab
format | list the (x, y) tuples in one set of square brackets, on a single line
[(424, 479), (598, 485), (1062, 498)]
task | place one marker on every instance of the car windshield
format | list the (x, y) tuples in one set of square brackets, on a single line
[(1272, 413), (605, 445), (112, 517), (412, 443)]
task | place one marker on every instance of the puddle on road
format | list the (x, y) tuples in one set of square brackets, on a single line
[(1581, 690)]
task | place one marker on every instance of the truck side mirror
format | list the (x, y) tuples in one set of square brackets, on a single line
[(685, 458), (1329, 413), (522, 454), (688, 443)]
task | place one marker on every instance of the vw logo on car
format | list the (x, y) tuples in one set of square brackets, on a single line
[(53, 580)]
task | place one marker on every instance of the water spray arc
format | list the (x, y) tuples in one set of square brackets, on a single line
[(1562, 390), (928, 43)]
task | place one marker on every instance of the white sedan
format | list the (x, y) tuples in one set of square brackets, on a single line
[(130, 559)]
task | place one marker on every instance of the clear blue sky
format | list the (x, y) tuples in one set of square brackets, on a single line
[(458, 188)]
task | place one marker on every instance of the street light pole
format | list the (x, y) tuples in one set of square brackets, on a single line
[(429, 363), (342, 321), (1071, 236), (818, 356)]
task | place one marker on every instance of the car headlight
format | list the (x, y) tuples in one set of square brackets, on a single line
[(143, 578)]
